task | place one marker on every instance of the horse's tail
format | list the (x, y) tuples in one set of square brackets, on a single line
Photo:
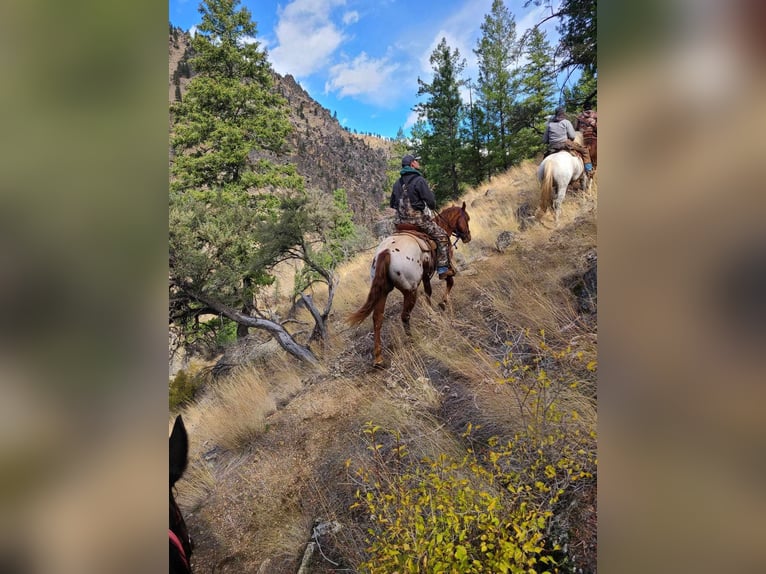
[(546, 188), (378, 289)]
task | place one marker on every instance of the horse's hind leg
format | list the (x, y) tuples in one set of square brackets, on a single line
[(377, 323), (427, 288), (561, 192), (410, 298)]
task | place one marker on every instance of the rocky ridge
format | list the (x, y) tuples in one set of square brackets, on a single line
[(324, 153)]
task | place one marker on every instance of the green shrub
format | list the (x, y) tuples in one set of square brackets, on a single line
[(479, 514), (182, 388)]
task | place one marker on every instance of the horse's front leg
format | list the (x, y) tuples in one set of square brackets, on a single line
[(410, 298), (445, 300), (377, 323)]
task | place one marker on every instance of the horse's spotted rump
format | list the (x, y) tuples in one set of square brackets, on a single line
[(399, 263)]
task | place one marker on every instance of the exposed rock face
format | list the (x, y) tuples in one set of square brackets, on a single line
[(329, 157), (325, 154)]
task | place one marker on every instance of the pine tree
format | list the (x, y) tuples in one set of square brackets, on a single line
[(223, 186), (441, 147), (536, 93), (577, 26), (583, 92), (473, 131), (497, 52)]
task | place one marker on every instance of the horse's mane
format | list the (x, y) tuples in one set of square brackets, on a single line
[(579, 138)]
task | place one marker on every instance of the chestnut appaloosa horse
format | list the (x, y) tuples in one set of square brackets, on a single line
[(403, 261)]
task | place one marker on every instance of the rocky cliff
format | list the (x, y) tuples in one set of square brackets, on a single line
[(325, 154)]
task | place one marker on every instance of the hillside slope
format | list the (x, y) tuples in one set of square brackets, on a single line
[(325, 154), (275, 448)]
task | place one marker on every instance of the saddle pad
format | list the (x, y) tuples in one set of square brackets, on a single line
[(426, 243)]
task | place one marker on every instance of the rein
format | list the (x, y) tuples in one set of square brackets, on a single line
[(177, 543), (455, 233)]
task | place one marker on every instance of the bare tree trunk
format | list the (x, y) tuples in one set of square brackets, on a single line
[(276, 330), (320, 328), (242, 330)]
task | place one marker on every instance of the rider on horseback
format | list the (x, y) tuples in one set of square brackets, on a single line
[(413, 200), (587, 123), (560, 134)]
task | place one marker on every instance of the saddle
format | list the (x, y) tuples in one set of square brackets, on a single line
[(427, 244), (550, 151)]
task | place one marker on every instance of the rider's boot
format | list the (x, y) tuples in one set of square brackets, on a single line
[(444, 271)]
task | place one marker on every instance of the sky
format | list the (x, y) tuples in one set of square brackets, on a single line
[(361, 59)]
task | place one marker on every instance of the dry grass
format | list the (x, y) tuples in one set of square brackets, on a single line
[(286, 439), (237, 411)]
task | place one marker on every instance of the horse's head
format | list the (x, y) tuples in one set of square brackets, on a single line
[(180, 541), (457, 219)]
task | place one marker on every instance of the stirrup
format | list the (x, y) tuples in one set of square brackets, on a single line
[(447, 272)]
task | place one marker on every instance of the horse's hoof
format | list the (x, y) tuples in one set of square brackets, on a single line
[(443, 306), (378, 365)]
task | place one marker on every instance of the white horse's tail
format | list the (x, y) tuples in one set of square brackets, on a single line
[(546, 188)]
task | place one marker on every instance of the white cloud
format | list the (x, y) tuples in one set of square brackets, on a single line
[(306, 37), (412, 119), (351, 17), (366, 77), (535, 16)]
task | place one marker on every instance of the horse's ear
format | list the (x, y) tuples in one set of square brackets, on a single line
[(463, 208), (179, 450)]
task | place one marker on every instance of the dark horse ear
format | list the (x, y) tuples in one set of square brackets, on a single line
[(463, 206), (179, 450)]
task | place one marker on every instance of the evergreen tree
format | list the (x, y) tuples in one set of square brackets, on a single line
[(536, 93), (317, 229), (473, 132), (583, 92), (578, 34), (497, 52), (223, 187), (441, 146), (577, 26)]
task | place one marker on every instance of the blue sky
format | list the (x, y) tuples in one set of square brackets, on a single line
[(361, 59)]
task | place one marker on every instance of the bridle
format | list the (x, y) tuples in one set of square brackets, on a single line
[(455, 232), (175, 538), (175, 541)]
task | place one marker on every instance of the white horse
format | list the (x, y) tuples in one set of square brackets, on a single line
[(555, 173)]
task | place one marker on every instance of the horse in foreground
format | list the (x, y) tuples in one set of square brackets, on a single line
[(403, 261), (556, 172), (180, 541)]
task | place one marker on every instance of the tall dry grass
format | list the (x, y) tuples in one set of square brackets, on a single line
[(291, 433), (237, 410)]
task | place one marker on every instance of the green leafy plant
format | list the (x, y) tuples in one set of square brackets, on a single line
[(482, 513), (182, 388)]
